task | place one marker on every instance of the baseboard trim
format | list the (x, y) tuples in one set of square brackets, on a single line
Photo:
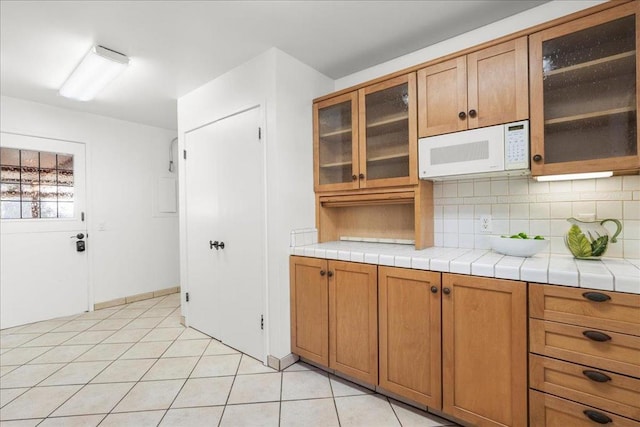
[(281, 364), (134, 298)]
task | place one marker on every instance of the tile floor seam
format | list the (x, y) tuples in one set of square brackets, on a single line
[(244, 368)]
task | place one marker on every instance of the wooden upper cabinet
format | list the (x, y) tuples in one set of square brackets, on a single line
[(483, 88), (484, 350), (367, 138), (409, 318), (584, 94), (335, 143)]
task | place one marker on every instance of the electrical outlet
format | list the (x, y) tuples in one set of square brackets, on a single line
[(485, 224)]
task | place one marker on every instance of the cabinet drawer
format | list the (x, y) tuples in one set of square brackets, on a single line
[(618, 352), (603, 390), (611, 311), (550, 411)]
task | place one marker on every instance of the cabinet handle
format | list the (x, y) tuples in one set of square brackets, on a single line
[(446, 291), (462, 115), (361, 176), (597, 417), (537, 158), (596, 296), (596, 336), (330, 273), (596, 376), (473, 113), (434, 289), (354, 177), (322, 272)]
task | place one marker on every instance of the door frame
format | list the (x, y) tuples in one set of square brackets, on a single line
[(88, 203), (184, 279)]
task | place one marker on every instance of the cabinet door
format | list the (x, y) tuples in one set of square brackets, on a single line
[(442, 97), (335, 143), (353, 313), (409, 314), (484, 350), (584, 94), (388, 136), (309, 296), (498, 85)]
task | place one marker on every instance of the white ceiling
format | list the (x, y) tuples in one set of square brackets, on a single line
[(176, 46)]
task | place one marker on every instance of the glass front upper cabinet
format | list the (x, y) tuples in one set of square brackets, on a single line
[(388, 134), (367, 138), (584, 94), (336, 142)]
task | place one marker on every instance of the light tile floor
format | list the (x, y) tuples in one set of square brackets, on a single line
[(135, 365)]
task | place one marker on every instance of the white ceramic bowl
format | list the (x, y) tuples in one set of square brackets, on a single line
[(517, 247)]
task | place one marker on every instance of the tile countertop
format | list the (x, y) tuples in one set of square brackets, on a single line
[(609, 274)]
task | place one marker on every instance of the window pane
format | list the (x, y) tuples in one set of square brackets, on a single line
[(29, 158), (10, 174), (9, 156), (48, 210), (48, 176), (48, 193), (48, 160), (65, 162), (65, 194), (30, 210), (65, 177), (30, 192), (33, 183), (9, 210), (30, 176), (10, 192), (65, 210)]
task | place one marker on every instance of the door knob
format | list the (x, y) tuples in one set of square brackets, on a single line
[(473, 113), (216, 244), (78, 236)]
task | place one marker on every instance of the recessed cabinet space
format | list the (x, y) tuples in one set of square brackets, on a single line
[(483, 88), (334, 315), (584, 94), (367, 138)]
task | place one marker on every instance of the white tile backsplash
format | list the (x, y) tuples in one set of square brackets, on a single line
[(523, 205)]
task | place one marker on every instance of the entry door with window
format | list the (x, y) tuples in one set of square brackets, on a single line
[(43, 267), (225, 205)]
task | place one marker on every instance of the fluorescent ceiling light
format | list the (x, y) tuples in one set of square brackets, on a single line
[(99, 67), (569, 176)]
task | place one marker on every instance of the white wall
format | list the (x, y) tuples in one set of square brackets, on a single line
[(285, 88), (512, 24), (137, 251)]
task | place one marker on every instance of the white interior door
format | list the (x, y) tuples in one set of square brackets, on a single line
[(225, 202), (42, 200)]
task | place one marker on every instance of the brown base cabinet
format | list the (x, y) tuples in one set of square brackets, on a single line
[(584, 365), (334, 315), (484, 350), (451, 342), (409, 313)]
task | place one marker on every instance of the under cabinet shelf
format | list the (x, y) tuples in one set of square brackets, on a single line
[(587, 116)]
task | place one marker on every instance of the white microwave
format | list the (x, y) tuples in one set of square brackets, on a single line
[(491, 151)]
